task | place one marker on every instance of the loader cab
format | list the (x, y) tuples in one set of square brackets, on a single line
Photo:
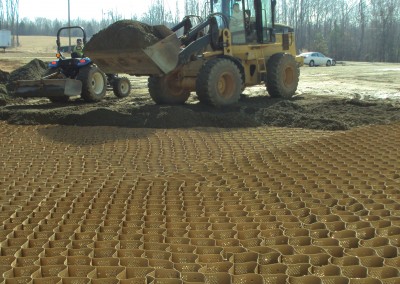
[(250, 21)]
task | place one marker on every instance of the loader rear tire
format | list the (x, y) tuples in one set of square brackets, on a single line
[(166, 90), (121, 87), (282, 76), (94, 83), (219, 82)]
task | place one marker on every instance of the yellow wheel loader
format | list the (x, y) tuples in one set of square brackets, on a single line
[(217, 58)]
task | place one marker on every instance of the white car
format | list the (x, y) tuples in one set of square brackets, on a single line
[(317, 59)]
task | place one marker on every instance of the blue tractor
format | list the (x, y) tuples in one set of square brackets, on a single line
[(74, 76)]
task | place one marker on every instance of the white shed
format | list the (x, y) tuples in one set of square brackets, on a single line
[(5, 39)]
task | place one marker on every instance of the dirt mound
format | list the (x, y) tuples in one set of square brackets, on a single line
[(3, 95), (127, 34), (4, 76), (292, 114), (32, 71), (140, 112)]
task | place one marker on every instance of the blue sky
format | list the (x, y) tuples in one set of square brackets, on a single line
[(85, 9)]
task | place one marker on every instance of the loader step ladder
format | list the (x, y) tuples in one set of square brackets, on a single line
[(262, 67)]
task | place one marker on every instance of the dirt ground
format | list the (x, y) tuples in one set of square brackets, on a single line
[(262, 191), (328, 98)]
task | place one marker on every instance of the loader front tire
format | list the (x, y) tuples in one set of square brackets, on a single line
[(282, 76), (166, 90), (94, 83), (121, 87), (219, 82)]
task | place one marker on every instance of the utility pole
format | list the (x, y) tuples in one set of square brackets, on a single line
[(69, 24)]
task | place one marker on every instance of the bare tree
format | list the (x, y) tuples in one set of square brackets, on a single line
[(10, 14), (192, 7), (385, 13), (2, 18), (157, 14), (345, 29), (362, 19), (177, 17)]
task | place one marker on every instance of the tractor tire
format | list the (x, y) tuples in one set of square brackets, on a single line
[(94, 83), (121, 87), (219, 82), (59, 100), (282, 76), (165, 90)]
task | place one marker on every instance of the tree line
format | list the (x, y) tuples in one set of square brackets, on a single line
[(358, 30)]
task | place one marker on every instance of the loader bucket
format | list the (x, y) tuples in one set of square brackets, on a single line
[(48, 88), (158, 59), (165, 53)]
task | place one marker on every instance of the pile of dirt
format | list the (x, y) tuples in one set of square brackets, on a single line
[(3, 95), (140, 112), (4, 77), (34, 70), (127, 34)]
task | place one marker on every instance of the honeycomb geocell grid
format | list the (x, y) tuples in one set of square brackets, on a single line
[(205, 205)]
